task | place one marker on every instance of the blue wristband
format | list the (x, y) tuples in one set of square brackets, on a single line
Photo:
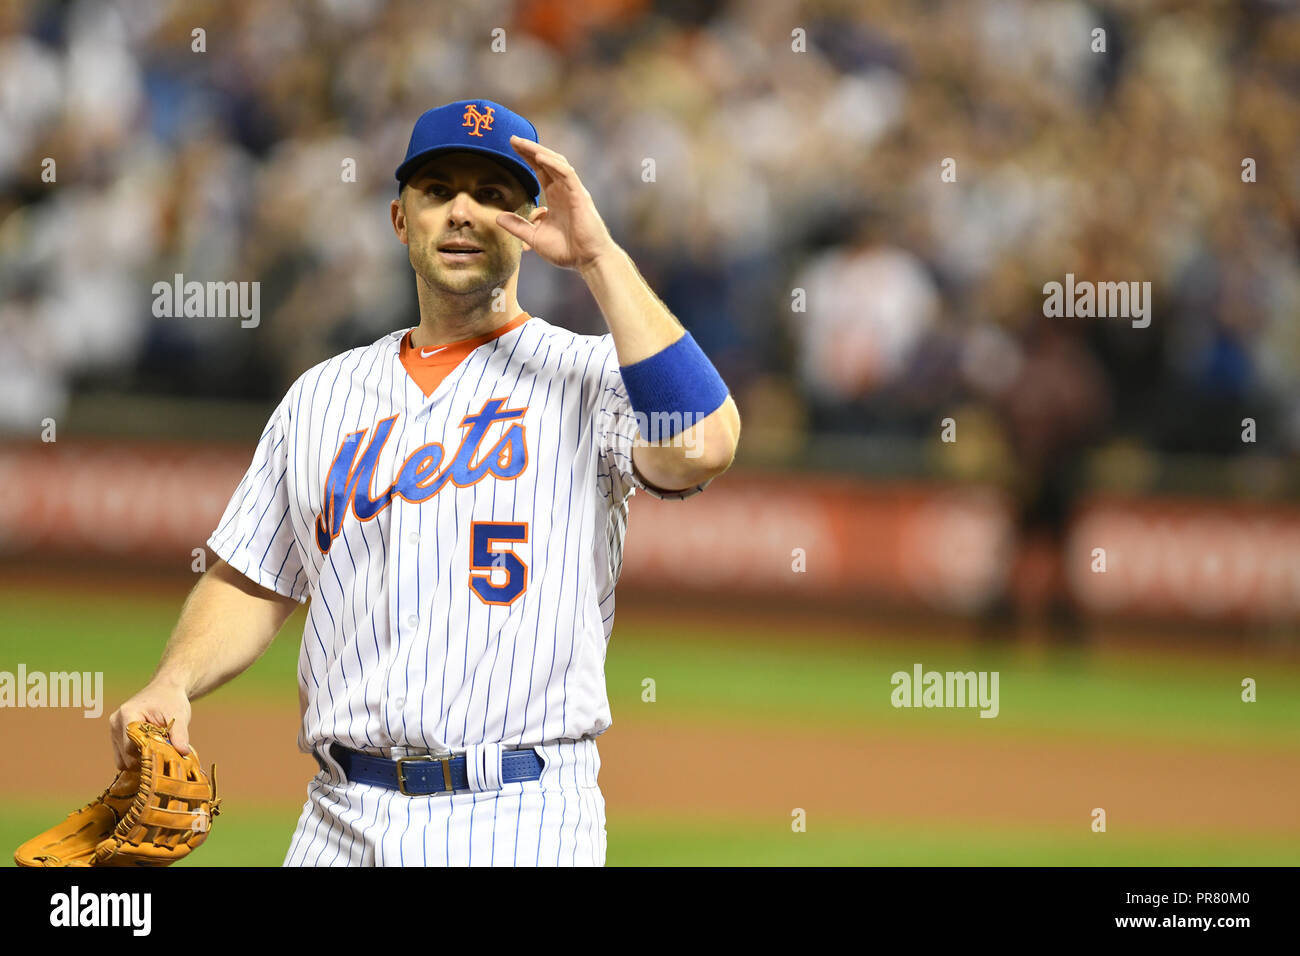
[(673, 389)]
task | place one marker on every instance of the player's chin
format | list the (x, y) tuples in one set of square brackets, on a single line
[(462, 279), (478, 260)]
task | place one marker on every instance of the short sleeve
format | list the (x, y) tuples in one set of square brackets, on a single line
[(255, 536), (617, 428)]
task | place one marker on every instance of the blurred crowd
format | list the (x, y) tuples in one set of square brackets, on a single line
[(854, 206)]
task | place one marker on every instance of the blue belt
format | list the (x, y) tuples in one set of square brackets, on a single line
[(424, 775)]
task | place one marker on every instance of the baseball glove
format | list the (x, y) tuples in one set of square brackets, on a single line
[(151, 816)]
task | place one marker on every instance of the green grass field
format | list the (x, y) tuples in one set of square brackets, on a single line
[(762, 678), (749, 673), (259, 837)]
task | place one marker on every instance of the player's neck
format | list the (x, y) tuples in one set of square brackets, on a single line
[(448, 318)]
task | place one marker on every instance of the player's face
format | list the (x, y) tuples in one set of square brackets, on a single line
[(452, 200)]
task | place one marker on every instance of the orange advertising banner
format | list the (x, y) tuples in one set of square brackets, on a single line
[(937, 547)]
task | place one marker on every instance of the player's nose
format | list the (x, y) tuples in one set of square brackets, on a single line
[(462, 208)]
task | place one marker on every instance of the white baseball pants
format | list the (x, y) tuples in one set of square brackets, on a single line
[(557, 820)]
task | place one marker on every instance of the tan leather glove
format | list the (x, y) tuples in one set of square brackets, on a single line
[(152, 816)]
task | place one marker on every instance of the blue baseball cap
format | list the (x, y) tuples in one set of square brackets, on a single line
[(479, 126)]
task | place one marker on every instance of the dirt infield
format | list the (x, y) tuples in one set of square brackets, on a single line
[(727, 771)]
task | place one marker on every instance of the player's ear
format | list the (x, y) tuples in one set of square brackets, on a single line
[(532, 214), (529, 212), (397, 210)]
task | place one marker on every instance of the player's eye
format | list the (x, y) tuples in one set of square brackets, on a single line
[(488, 193)]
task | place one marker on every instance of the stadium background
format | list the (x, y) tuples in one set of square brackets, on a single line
[(775, 171)]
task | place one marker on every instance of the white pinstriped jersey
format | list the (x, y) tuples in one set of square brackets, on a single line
[(460, 550)]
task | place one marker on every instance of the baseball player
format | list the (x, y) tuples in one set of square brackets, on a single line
[(451, 502)]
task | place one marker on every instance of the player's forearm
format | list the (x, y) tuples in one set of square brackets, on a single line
[(639, 322), (226, 624), (703, 451), (641, 327)]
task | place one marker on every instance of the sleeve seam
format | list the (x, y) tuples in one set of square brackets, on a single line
[(242, 562)]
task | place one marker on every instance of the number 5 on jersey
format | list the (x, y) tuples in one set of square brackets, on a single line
[(486, 557)]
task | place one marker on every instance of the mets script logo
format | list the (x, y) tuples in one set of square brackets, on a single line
[(479, 121), (349, 484)]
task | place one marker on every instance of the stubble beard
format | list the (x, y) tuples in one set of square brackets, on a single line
[(476, 279)]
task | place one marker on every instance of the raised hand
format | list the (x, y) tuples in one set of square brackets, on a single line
[(568, 231)]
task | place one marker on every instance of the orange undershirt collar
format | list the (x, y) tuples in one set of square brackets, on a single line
[(430, 365)]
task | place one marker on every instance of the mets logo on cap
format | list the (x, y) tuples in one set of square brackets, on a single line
[(476, 126), (478, 121)]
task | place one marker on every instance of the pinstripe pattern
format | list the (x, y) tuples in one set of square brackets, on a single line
[(558, 820), (399, 654)]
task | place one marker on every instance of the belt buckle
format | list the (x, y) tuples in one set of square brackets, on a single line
[(444, 759)]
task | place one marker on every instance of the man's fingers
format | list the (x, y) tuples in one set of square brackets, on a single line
[(124, 755), (536, 148), (119, 759), (545, 177), (525, 146), (535, 154), (516, 225), (519, 227), (556, 165), (159, 716), (528, 154), (181, 738)]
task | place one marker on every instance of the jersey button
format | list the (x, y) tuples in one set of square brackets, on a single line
[(399, 701), (412, 621), (413, 537)]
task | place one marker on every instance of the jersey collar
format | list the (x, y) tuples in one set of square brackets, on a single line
[(452, 353)]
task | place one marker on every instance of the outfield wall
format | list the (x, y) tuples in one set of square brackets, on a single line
[(932, 546)]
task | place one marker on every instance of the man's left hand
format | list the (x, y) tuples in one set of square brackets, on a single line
[(568, 231)]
